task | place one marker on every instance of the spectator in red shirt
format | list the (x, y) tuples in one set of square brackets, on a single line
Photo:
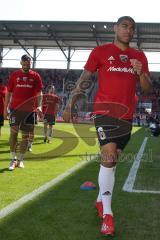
[(24, 86), (3, 91), (119, 68), (50, 107)]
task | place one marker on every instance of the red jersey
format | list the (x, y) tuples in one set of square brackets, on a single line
[(3, 91), (24, 87), (49, 103), (116, 78)]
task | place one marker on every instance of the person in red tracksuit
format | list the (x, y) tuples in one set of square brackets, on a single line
[(23, 87), (50, 108), (119, 67), (3, 91)]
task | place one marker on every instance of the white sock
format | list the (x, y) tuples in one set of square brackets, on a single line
[(49, 133), (99, 198), (106, 181), (13, 155), (45, 132), (21, 156), (29, 144)]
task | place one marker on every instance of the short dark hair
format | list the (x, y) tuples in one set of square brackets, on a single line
[(126, 18), (51, 87), (25, 58)]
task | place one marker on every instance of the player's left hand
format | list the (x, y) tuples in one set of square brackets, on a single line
[(40, 113), (137, 66)]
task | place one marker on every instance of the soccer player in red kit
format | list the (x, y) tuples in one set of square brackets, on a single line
[(119, 68), (3, 91), (50, 107), (23, 87)]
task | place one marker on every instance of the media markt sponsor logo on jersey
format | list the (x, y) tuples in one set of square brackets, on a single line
[(119, 69), (123, 58), (24, 86)]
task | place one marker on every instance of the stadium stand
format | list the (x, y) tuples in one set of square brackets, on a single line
[(72, 36), (147, 106)]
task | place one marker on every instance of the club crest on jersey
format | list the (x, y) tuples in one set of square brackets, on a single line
[(25, 79), (31, 79), (111, 59), (123, 58)]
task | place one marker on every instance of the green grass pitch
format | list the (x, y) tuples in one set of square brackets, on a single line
[(65, 211)]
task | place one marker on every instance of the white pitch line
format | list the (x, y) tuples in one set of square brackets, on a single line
[(146, 191), (15, 205), (129, 183)]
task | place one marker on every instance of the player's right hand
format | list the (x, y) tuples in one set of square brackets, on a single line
[(67, 114), (5, 115)]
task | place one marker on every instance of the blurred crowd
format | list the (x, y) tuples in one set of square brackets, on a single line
[(64, 82)]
